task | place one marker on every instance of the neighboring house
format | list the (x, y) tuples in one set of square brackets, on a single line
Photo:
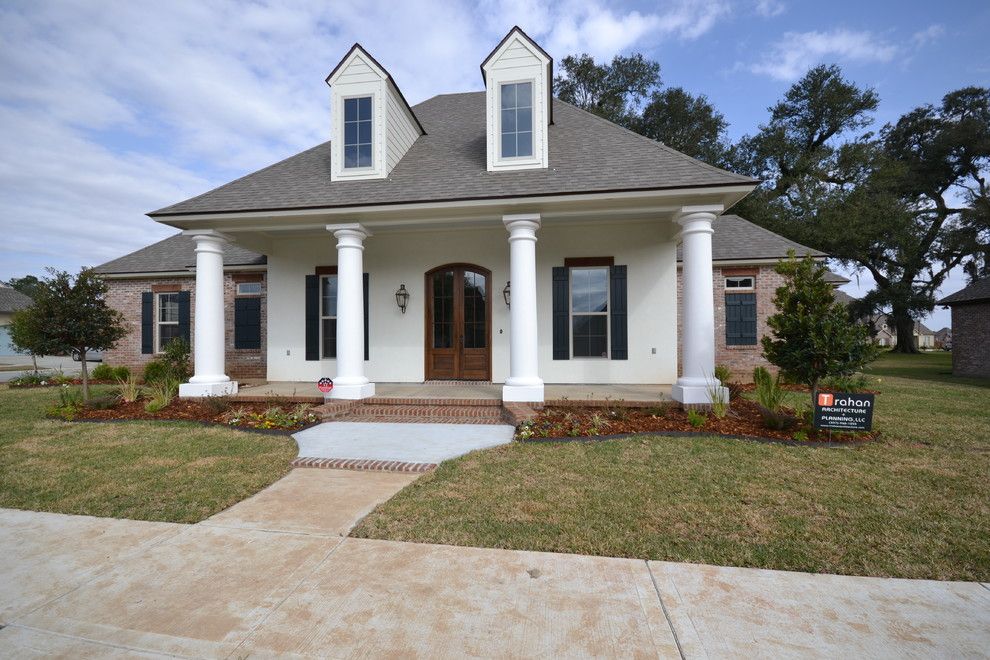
[(970, 329), (943, 339), (500, 236), (884, 331), (11, 300), (743, 280)]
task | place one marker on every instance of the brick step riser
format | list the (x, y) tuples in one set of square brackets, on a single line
[(393, 419), (436, 411)]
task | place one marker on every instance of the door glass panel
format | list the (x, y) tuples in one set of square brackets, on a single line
[(475, 310), (443, 309)]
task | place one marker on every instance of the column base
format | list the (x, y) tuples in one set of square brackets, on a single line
[(691, 392), (201, 390), (357, 391), (532, 393)]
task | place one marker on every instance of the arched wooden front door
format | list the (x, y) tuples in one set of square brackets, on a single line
[(458, 323)]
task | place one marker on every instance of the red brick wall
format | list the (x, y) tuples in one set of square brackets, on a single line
[(125, 295), (971, 339), (740, 359)]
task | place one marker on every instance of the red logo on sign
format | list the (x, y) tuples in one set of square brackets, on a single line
[(324, 385), (825, 400)]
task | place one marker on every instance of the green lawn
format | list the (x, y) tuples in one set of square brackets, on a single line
[(169, 471), (914, 504)]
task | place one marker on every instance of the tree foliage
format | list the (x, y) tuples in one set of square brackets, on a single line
[(613, 91), (813, 336), (907, 204), (28, 285), (688, 123), (71, 315)]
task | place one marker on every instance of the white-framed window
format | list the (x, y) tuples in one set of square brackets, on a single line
[(328, 316), (166, 319), (516, 119), (358, 133), (249, 288), (589, 302), (740, 283)]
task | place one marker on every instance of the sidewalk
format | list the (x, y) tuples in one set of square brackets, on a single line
[(272, 575)]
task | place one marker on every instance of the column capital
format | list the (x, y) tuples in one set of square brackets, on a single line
[(688, 215), (522, 225), (350, 229)]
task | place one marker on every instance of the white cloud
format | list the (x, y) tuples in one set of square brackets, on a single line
[(770, 8), (111, 109), (930, 34), (796, 52)]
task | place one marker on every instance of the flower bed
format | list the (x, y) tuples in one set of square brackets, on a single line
[(743, 419), (266, 416)]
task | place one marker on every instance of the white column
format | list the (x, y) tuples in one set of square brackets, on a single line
[(698, 382), (524, 382), (350, 381), (209, 339)]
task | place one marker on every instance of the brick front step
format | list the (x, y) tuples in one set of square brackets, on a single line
[(420, 401), (362, 464), (441, 411), (422, 419)]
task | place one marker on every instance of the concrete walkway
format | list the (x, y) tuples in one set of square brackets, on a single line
[(412, 443), (273, 576)]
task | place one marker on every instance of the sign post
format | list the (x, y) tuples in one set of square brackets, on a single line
[(840, 411), (325, 385)]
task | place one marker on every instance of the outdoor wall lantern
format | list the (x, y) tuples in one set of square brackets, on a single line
[(402, 297), (506, 294)]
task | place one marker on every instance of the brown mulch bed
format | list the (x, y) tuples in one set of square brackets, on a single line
[(743, 420), (187, 411)]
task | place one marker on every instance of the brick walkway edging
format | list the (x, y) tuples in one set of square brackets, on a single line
[(362, 464)]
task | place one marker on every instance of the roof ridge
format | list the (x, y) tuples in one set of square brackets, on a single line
[(238, 179), (660, 145)]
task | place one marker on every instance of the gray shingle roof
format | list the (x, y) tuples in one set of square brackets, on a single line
[(587, 154), (737, 239), (978, 290), (175, 253), (12, 300)]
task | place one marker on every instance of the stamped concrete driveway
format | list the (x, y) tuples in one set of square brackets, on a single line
[(274, 576)]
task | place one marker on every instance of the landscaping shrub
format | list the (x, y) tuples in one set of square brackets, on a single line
[(102, 372), (128, 389), (724, 375), (103, 402), (273, 417), (696, 418), (70, 402), (217, 404), (850, 383), (172, 365), (770, 396), (162, 393)]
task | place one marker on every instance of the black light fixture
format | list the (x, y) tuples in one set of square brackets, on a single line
[(402, 297), (506, 294)]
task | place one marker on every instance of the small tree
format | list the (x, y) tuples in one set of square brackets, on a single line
[(71, 316), (26, 335), (813, 336)]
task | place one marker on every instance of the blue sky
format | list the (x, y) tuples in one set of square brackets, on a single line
[(112, 109)]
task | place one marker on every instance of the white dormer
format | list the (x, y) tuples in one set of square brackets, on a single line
[(518, 75), (373, 125)]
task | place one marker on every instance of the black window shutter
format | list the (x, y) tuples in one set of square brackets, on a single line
[(618, 313), (312, 317), (561, 314), (147, 322), (366, 334), (247, 323), (740, 319), (183, 297)]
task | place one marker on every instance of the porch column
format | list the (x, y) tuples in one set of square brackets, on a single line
[(350, 381), (209, 338), (698, 305), (524, 382)]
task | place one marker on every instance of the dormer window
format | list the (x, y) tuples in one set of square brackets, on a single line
[(518, 105), (357, 132), (517, 119)]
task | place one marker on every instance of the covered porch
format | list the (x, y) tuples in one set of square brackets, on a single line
[(575, 394)]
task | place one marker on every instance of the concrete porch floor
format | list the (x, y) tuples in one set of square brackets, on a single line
[(465, 390)]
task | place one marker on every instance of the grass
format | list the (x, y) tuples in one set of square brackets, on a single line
[(165, 471), (915, 504)]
